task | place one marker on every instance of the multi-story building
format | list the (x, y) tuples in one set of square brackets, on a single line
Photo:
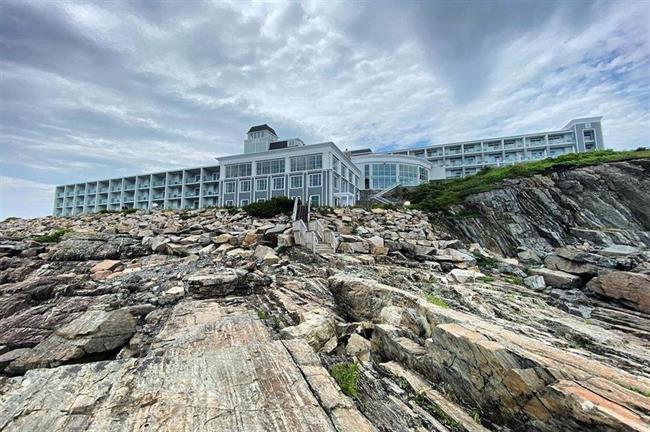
[(319, 173), (465, 158)]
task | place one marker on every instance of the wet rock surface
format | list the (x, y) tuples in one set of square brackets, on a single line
[(213, 320)]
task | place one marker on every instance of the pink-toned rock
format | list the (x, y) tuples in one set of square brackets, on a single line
[(106, 265), (632, 288)]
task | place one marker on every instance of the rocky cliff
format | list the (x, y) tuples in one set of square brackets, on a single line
[(606, 204), (213, 321)]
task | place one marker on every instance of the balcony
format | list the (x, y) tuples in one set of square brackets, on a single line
[(158, 197), (143, 186), (452, 152), (145, 198), (210, 193), (211, 178), (174, 183), (472, 150), (191, 195), (193, 180), (157, 185), (129, 187)]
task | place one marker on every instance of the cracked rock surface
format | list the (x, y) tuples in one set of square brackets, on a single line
[(215, 321)]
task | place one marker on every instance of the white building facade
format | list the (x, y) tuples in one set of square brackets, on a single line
[(465, 158), (319, 173)]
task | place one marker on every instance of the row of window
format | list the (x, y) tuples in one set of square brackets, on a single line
[(277, 183)]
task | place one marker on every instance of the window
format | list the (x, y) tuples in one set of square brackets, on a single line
[(315, 180), (314, 200), (273, 166), (408, 175), (278, 183), (335, 164), (308, 162), (336, 182), (296, 182), (230, 187), (245, 186), (228, 203), (243, 202), (261, 185), (238, 170), (384, 175)]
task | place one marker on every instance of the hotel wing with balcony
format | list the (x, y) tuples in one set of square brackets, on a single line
[(319, 173), (466, 158)]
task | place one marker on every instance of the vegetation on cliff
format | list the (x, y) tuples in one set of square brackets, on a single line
[(438, 196)]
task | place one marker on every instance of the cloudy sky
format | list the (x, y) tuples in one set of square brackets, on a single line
[(97, 90)]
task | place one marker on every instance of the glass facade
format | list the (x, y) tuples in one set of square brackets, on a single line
[(384, 175), (408, 175)]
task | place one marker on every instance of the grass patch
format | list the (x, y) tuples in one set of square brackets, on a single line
[(261, 314), (52, 237), (346, 376), (185, 215), (435, 300), (515, 280), (267, 209), (437, 412), (485, 261), (485, 279), (439, 196)]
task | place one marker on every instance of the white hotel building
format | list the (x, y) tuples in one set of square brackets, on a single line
[(319, 173)]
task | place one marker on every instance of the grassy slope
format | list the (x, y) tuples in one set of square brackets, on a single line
[(439, 196)]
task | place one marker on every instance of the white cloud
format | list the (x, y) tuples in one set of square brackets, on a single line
[(96, 90), (24, 198)]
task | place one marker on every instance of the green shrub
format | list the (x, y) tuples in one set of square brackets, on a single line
[(105, 211), (346, 376), (435, 300), (267, 209), (261, 314), (127, 211), (52, 237), (441, 195)]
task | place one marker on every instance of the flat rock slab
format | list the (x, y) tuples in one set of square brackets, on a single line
[(224, 374)]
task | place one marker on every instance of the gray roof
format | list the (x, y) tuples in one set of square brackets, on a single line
[(263, 127)]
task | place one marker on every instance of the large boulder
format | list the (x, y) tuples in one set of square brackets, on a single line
[(631, 288), (94, 332), (584, 264), (558, 279), (87, 247)]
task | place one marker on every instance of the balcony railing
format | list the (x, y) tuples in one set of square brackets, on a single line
[(143, 199), (452, 152), (211, 178), (560, 141), (173, 183), (210, 193)]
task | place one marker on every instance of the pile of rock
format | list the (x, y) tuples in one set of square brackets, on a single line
[(210, 307)]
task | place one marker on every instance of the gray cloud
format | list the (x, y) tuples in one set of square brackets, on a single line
[(100, 89)]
